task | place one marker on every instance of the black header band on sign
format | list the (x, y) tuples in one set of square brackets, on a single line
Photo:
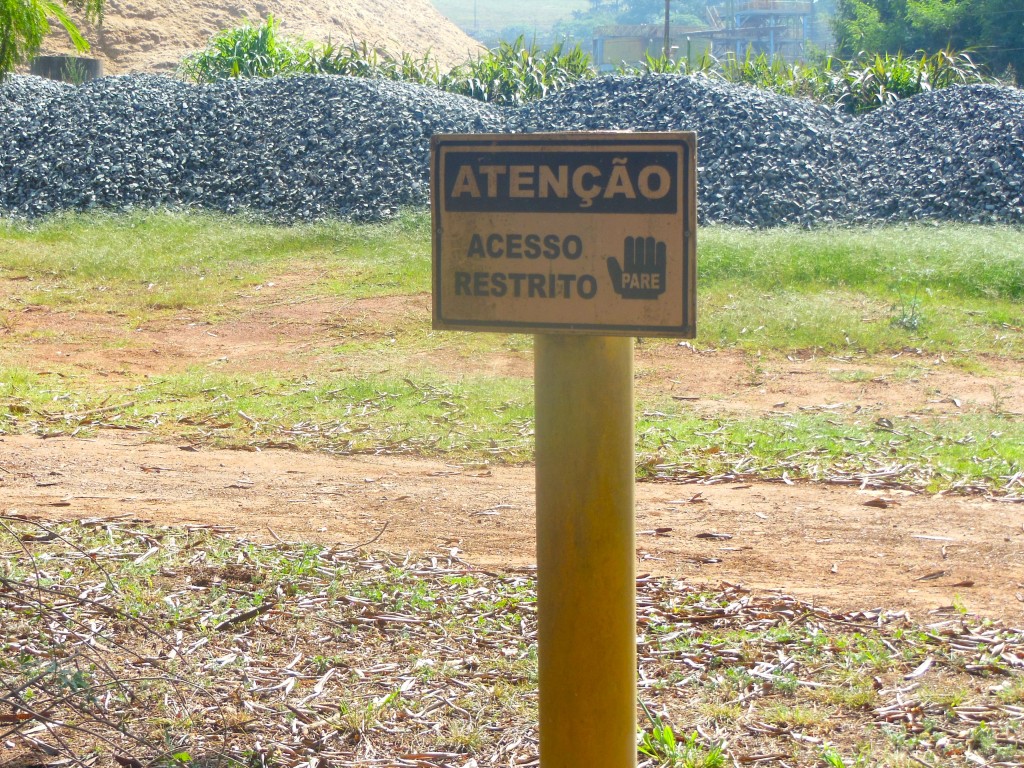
[(592, 181)]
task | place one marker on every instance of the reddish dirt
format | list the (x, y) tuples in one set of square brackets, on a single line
[(916, 552), (270, 329), (818, 542)]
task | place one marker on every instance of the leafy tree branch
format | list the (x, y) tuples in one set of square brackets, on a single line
[(24, 25)]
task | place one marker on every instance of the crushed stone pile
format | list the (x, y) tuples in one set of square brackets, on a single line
[(306, 148), (954, 154), (763, 159), (291, 148)]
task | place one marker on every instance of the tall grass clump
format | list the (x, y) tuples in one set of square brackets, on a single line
[(663, 65), (515, 73), (261, 51), (857, 85), (814, 80), (248, 51), (868, 82), (363, 60), (510, 75)]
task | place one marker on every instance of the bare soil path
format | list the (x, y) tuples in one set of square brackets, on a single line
[(267, 330), (823, 543), (837, 545)]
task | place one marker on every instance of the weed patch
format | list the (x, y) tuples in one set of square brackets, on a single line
[(183, 645)]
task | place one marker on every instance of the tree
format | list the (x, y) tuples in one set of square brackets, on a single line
[(25, 23), (992, 30), (996, 30)]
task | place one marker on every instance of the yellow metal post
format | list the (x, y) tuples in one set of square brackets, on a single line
[(586, 567)]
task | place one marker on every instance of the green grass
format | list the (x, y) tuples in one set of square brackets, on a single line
[(950, 289), (491, 418), (150, 261), (927, 452), (979, 262), (477, 417), (856, 289)]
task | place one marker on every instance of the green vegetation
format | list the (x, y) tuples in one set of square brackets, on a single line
[(660, 744), (991, 29), (140, 262), (948, 295), (205, 649), (769, 291), (514, 73), (484, 418), (926, 453), (509, 75), (857, 85), (247, 51), (958, 260), (25, 23), (949, 289), (479, 417), (884, 78), (260, 51), (360, 60)]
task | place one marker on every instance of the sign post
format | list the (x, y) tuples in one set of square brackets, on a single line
[(586, 240), (586, 551)]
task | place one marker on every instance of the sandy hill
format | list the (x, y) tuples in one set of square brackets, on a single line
[(154, 35)]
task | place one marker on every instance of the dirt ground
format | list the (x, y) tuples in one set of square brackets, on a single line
[(821, 543), (837, 545), (150, 36)]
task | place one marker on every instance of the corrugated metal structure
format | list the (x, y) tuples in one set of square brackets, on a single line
[(631, 44), (774, 27)]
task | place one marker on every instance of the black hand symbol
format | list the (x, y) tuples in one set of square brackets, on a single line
[(643, 273)]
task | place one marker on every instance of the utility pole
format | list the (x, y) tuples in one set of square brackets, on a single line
[(668, 49)]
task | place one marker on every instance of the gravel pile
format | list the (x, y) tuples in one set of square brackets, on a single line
[(292, 148), (954, 154), (313, 147), (764, 159), (20, 93)]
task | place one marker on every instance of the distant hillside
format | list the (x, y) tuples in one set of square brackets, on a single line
[(154, 35)]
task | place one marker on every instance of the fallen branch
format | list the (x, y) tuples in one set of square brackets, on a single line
[(240, 618), (92, 412), (363, 544)]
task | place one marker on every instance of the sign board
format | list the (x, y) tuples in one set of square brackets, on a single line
[(589, 233)]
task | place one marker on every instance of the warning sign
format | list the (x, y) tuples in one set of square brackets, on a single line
[(565, 233)]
